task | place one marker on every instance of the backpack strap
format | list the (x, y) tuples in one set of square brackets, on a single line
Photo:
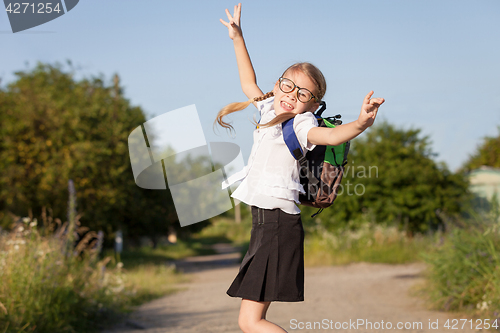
[(321, 109), (295, 149), (291, 139)]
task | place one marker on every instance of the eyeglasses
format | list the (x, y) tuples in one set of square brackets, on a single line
[(303, 94)]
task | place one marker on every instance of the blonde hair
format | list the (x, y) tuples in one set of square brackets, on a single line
[(307, 68)]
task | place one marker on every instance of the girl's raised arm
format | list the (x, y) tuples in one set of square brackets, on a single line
[(248, 79), (346, 132)]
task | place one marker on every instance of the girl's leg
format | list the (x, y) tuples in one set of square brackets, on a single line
[(264, 313), (252, 318)]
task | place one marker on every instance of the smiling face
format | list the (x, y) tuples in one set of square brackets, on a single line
[(288, 102)]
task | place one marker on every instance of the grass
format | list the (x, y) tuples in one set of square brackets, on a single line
[(50, 285), (464, 271), (46, 288), (226, 230), (162, 254), (369, 243), (149, 273), (147, 282)]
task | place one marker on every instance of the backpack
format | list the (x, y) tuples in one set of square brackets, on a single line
[(322, 168)]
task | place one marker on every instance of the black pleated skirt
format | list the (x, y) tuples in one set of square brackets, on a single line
[(273, 267)]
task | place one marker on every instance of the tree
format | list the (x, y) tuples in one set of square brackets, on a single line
[(391, 176), (488, 153), (55, 128)]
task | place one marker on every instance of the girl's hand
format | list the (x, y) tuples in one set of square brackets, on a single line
[(369, 110), (234, 22)]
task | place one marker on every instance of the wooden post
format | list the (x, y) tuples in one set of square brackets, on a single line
[(237, 211)]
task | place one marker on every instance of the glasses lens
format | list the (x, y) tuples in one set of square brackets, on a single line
[(304, 95), (286, 85)]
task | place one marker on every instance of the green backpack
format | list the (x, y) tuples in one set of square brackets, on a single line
[(322, 168)]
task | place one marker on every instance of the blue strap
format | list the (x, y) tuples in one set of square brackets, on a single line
[(291, 139), (295, 149)]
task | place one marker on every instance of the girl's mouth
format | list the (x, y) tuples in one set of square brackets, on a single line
[(286, 106)]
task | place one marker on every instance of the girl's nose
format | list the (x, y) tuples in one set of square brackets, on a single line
[(292, 94)]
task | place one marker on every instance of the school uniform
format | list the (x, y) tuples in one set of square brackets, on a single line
[(273, 267)]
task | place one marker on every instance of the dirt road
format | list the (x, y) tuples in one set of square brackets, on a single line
[(354, 298)]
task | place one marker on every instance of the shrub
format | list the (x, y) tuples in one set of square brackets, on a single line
[(368, 242), (50, 287), (464, 272)]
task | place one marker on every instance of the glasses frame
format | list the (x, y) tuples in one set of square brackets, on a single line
[(298, 90)]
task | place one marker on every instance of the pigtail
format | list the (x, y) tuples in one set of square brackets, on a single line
[(263, 97), (276, 120), (309, 69), (238, 106)]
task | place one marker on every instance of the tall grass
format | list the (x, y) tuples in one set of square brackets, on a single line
[(226, 230), (45, 288), (53, 279), (464, 272), (369, 242), (149, 281)]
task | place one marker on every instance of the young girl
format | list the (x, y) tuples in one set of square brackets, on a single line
[(273, 267)]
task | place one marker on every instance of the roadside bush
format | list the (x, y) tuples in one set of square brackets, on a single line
[(48, 286), (368, 242), (464, 272)]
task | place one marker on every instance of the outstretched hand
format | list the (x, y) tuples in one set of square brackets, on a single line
[(234, 22), (369, 110)]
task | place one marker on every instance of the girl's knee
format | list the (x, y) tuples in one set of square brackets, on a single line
[(246, 325), (251, 315)]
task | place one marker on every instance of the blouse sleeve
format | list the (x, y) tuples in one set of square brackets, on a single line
[(265, 105), (302, 124)]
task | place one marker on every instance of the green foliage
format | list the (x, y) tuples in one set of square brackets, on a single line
[(150, 281), (56, 128), (464, 272), (370, 242), (391, 176), (488, 153), (228, 231), (146, 255), (46, 289)]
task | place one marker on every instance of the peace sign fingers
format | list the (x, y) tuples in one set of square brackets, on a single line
[(229, 18), (233, 24), (237, 14)]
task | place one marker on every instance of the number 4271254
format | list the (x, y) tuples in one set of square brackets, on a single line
[(41, 8), (479, 324)]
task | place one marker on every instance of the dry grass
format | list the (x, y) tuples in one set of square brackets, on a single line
[(369, 243), (53, 283)]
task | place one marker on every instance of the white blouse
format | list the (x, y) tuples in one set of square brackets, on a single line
[(271, 177)]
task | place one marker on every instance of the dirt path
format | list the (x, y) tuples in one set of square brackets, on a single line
[(334, 297)]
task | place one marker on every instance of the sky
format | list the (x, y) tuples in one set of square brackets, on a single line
[(436, 63)]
